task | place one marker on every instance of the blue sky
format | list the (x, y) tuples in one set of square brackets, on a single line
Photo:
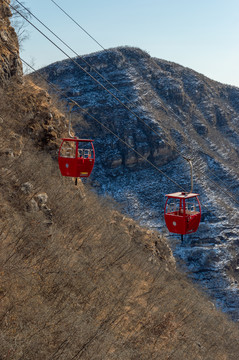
[(202, 35)]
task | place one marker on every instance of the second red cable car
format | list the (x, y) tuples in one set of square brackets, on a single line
[(182, 211)]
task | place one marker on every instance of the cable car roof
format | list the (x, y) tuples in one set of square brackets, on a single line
[(76, 139), (181, 195)]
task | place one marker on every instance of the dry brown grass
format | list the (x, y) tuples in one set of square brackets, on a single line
[(81, 281)]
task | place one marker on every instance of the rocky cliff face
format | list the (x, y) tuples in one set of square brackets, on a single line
[(10, 64), (191, 113)]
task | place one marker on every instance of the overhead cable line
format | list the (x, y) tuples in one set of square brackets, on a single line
[(98, 73), (81, 27), (110, 94), (105, 127), (170, 110), (199, 150)]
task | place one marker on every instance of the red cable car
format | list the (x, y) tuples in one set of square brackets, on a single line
[(182, 211), (76, 157)]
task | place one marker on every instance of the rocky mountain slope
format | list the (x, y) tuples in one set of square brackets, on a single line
[(188, 114), (79, 280)]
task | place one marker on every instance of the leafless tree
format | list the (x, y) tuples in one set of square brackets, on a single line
[(19, 14)]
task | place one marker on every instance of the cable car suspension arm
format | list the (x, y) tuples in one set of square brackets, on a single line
[(191, 171)]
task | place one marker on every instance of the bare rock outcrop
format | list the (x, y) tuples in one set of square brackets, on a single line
[(10, 63)]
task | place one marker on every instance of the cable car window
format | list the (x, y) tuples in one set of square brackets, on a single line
[(192, 206), (85, 151), (68, 149), (173, 206), (88, 154)]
